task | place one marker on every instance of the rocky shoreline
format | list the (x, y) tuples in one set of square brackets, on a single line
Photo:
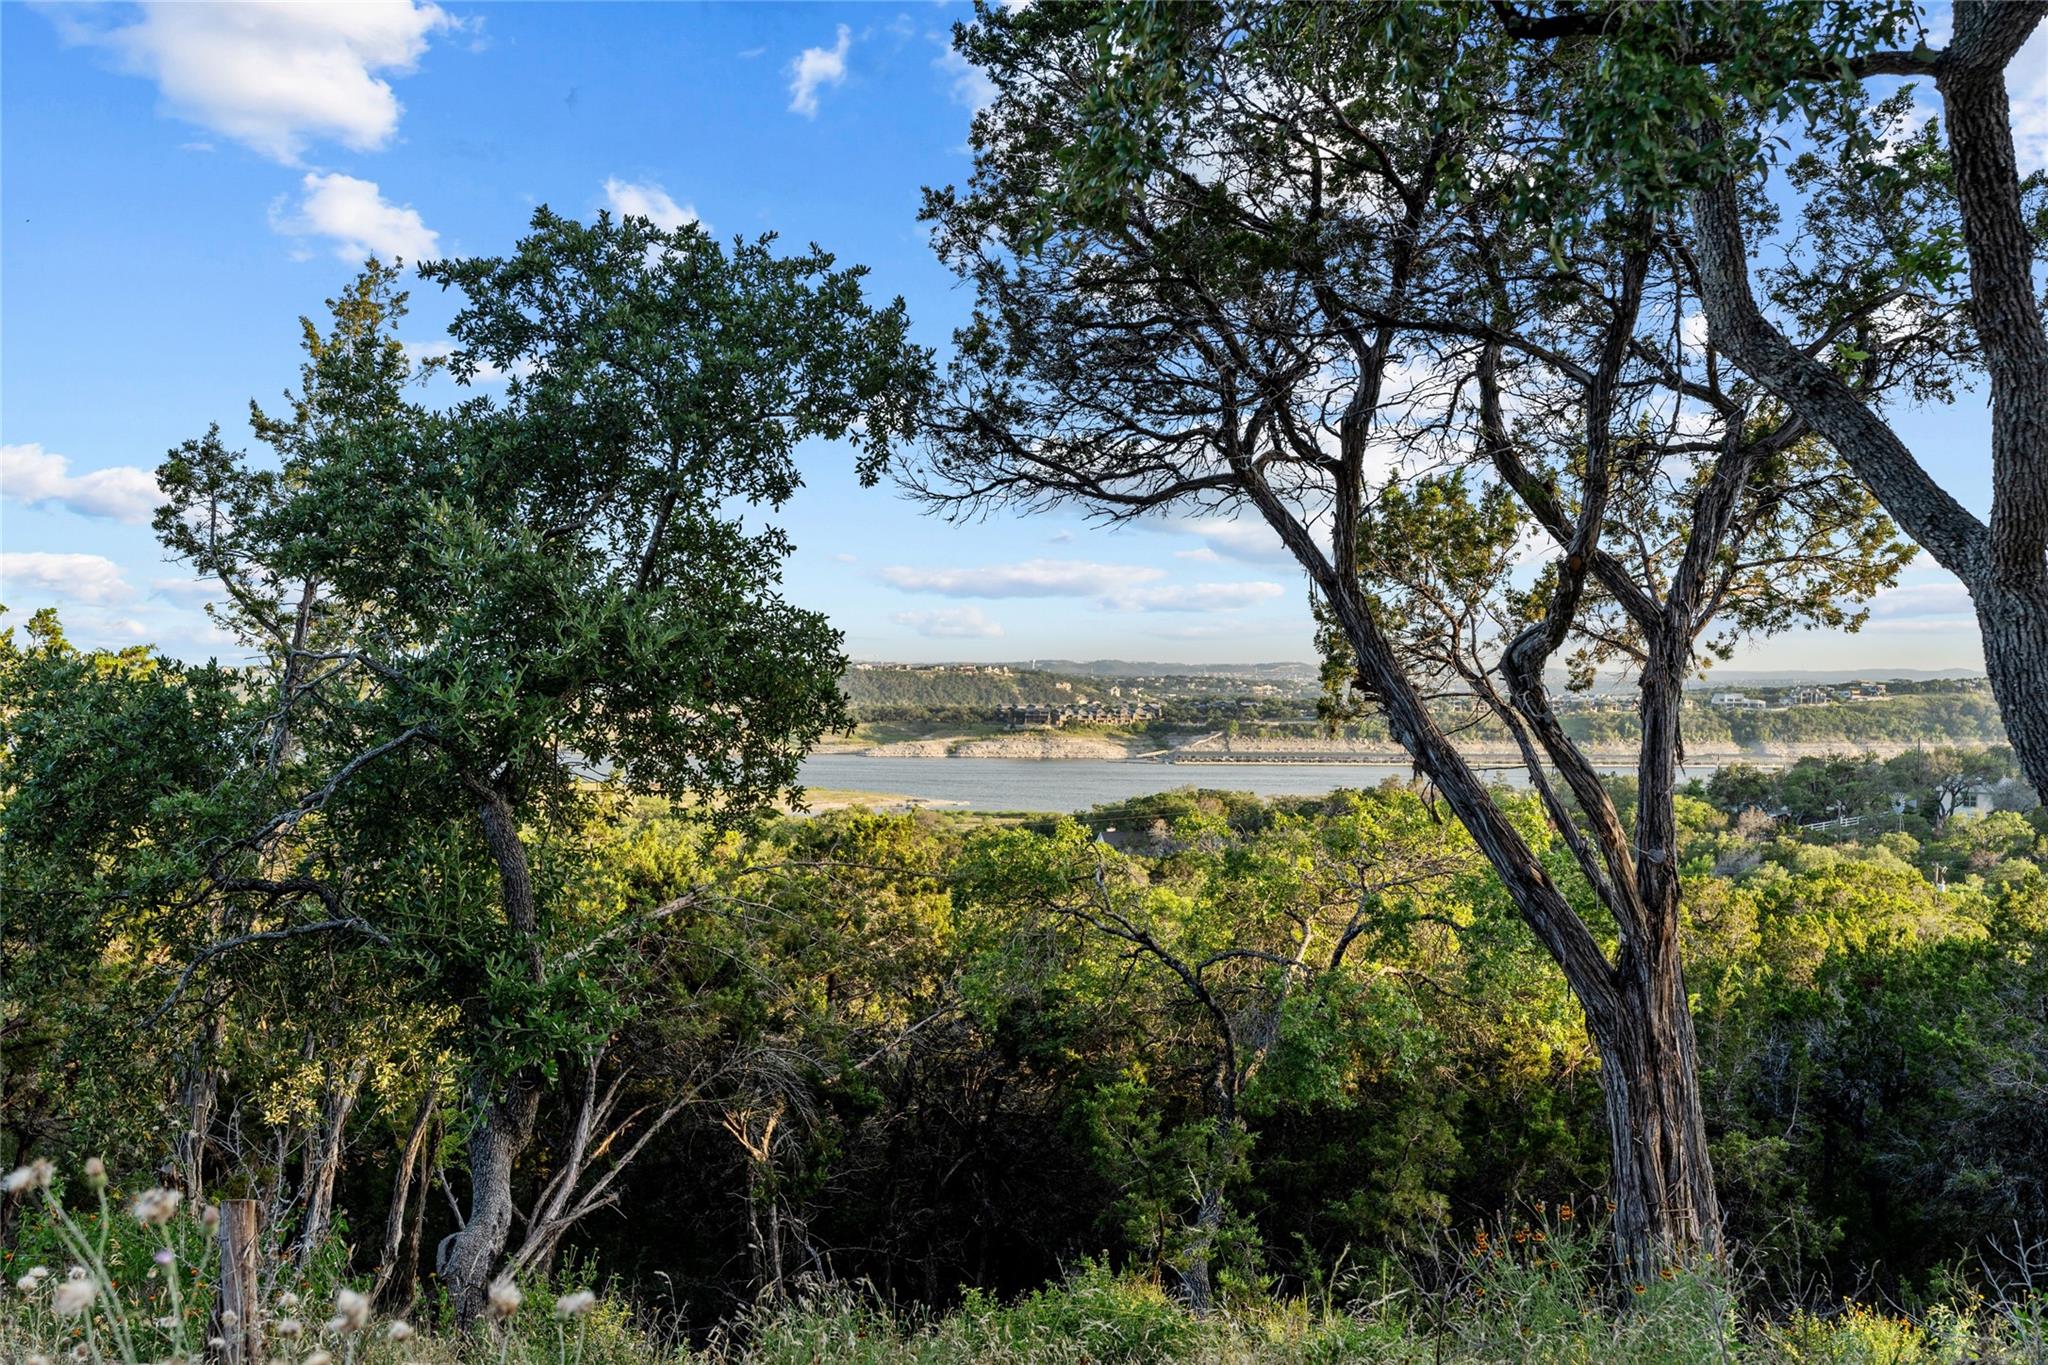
[(1213, 750)]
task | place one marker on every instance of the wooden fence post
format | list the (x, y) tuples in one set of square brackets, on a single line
[(237, 1307)]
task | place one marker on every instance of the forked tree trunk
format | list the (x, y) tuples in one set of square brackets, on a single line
[(1666, 1211)]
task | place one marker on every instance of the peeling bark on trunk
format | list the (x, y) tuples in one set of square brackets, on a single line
[(1666, 1210)]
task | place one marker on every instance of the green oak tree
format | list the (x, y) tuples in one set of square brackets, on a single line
[(468, 613)]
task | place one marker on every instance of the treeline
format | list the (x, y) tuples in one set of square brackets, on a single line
[(1253, 1042), (1943, 717), (899, 693)]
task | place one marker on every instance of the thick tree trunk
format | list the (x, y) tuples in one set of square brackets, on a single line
[(1666, 1212), (2014, 624), (500, 1139)]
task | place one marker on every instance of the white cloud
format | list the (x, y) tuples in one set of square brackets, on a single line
[(650, 201), (817, 66), (1197, 597), (1116, 587), (2026, 81), (31, 476), (420, 352), (1032, 578), (1203, 555), (1922, 602), (193, 591), (950, 623), (75, 577), (359, 220), (967, 83), (272, 76), (1247, 539)]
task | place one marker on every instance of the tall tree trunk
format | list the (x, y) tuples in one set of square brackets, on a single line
[(504, 1109), (2002, 564), (504, 1130), (199, 1092), (1196, 1262), (1666, 1212), (2013, 620)]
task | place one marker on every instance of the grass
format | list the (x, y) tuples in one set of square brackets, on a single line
[(130, 1281)]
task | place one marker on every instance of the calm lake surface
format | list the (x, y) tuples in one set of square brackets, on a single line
[(1070, 784)]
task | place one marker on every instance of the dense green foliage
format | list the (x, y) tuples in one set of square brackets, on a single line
[(924, 1055)]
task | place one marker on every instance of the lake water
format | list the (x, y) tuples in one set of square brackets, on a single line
[(1070, 784)]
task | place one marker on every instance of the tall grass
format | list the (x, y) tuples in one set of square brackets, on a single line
[(132, 1281)]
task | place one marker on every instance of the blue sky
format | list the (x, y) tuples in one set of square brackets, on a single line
[(183, 181)]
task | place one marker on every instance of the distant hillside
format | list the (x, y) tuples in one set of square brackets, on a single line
[(1139, 668), (874, 687)]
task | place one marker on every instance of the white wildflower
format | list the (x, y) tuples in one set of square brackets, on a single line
[(287, 1327), (75, 1296), (575, 1305), (156, 1207), (505, 1298), (351, 1310), (399, 1329), (34, 1176)]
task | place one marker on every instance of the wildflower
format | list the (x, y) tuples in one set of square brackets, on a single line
[(1610, 1206), (287, 1327), (1537, 1238), (34, 1176), (39, 1360), (575, 1305), (76, 1272), (95, 1173), (165, 1256), (504, 1299), (1641, 1288), (155, 1207), (399, 1329), (75, 1296), (27, 1284), (317, 1358), (1564, 1212), (211, 1217), (1667, 1274), (287, 1301), (351, 1310)]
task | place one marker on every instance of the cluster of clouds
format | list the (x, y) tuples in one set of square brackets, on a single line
[(1102, 586), (281, 78)]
